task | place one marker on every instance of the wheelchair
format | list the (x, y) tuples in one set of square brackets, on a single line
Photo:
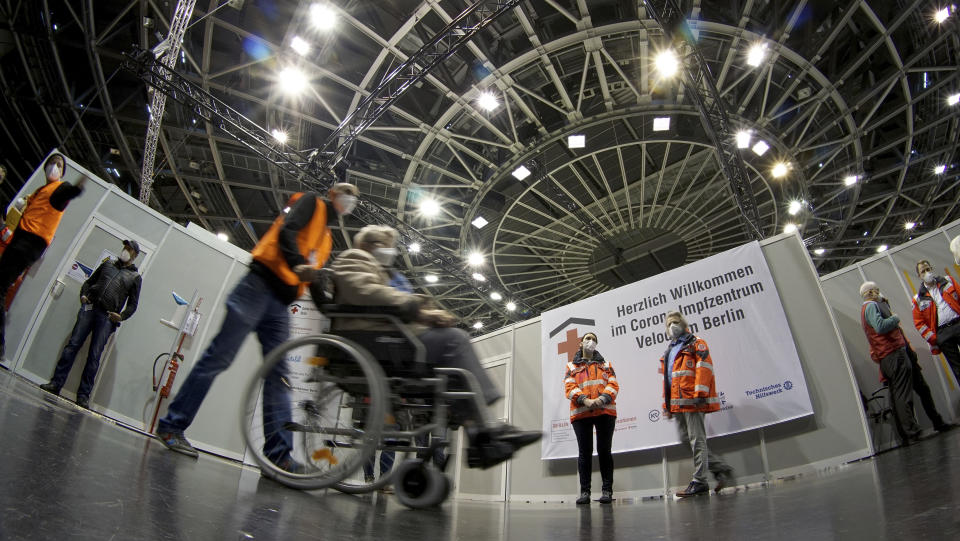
[(351, 394)]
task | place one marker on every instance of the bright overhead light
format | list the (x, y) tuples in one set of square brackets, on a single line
[(292, 80), (479, 222), (760, 147), (779, 170), (756, 54), (666, 63), (953, 99), (819, 251), (475, 259), (790, 228), (488, 101), (223, 236), (850, 180), (939, 170), (478, 325), (300, 45), (909, 225), (743, 139), (521, 172), (322, 16), (882, 248), (286, 210), (941, 15), (496, 296), (576, 141), (414, 248), (661, 123), (279, 136), (511, 306), (432, 278), (479, 277), (794, 208), (429, 207)]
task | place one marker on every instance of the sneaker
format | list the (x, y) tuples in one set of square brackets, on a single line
[(369, 479), (177, 443), (83, 402), (693, 489), (606, 497), (584, 498), (51, 388), (513, 435), (290, 465), (724, 479)]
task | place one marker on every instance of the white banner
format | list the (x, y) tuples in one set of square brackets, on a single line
[(730, 301)]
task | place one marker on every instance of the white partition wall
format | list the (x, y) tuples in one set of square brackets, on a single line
[(835, 434)]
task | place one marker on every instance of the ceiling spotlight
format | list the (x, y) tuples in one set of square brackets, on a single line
[(414, 248), (496, 296), (521, 173), (511, 306), (819, 251), (941, 15), (475, 259), (661, 123), (479, 277), (909, 225), (223, 236), (939, 170), (790, 228), (576, 141), (488, 101), (779, 170), (666, 63), (794, 208), (322, 16), (850, 180), (432, 278), (286, 210), (479, 222), (953, 99), (760, 147), (429, 207), (882, 248), (743, 139), (478, 325), (299, 45), (756, 54), (279, 136), (292, 81)]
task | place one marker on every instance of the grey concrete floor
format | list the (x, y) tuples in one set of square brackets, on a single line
[(70, 474)]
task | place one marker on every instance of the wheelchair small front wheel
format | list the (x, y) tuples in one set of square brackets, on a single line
[(420, 485)]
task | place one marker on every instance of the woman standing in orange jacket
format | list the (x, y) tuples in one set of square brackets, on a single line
[(591, 385)]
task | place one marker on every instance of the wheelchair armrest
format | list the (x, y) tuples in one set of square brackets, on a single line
[(346, 309)]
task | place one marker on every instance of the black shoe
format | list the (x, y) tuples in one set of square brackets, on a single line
[(606, 497), (489, 454), (177, 443), (514, 436), (945, 427), (724, 479), (693, 489), (290, 465), (51, 388), (584, 498), (83, 402)]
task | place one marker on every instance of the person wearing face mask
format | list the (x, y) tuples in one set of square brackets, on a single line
[(689, 393), (361, 277), (590, 384), (936, 314), (36, 227), (109, 296), (285, 261)]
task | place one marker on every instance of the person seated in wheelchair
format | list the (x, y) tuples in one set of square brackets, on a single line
[(360, 277)]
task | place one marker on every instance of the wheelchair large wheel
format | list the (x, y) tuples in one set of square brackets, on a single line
[(322, 397), (420, 485)]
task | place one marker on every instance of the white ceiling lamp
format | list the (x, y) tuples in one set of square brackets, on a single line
[(300, 45), (223, 236), (661, 123), (666, 63), (577, 141), (488, 101), (850, 180), (414, 248), (475, 259), (478, 325), (909, 225), (953, 99), (760, 148), (882, 248), (495, 296), (794, 208), (941, 15), (779, 170), (819, 251), (322, 17), (756, 54), (939, 170), (479, 277), (511, 306), (429, 207), (280, 136), (743, 139), (292, 81), (479, 222), (286, 210), (431, 278), (790, 228), (521, 173)]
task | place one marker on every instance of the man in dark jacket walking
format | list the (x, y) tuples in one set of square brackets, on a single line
[(108, 297)]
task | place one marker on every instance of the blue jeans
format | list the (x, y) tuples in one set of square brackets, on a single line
[(386, 463), (90, 320), (251, 306)]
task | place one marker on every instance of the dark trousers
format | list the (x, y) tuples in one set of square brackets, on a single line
[(897, 369), (450, 347), (583, 428), (948, 340), (93, 321), (922, 390), (24, 250)]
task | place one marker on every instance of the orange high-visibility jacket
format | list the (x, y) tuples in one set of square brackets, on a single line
[(692, 386), (593, 378), (313, 241), (39, 216), (925, 309)]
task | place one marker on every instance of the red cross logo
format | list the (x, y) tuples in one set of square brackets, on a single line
[(570, 346), (295, 309)]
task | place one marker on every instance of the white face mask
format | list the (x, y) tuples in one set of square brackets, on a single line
[(589, 346), (346, 203), (385, 255), (676, 330), (125, 256), (53, 172), (929, 277)]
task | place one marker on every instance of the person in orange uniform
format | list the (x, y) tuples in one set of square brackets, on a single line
[(936, 314), (39, 223), (284, 262), (689, 393), (591, 386)]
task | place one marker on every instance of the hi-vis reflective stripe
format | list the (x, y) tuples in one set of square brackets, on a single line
[(705, 364), (680, 373), (569, 380), (923, 329), (609, 407), (573, 393), (694, 401), (703, 388), (610, 391), (592, 382)]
